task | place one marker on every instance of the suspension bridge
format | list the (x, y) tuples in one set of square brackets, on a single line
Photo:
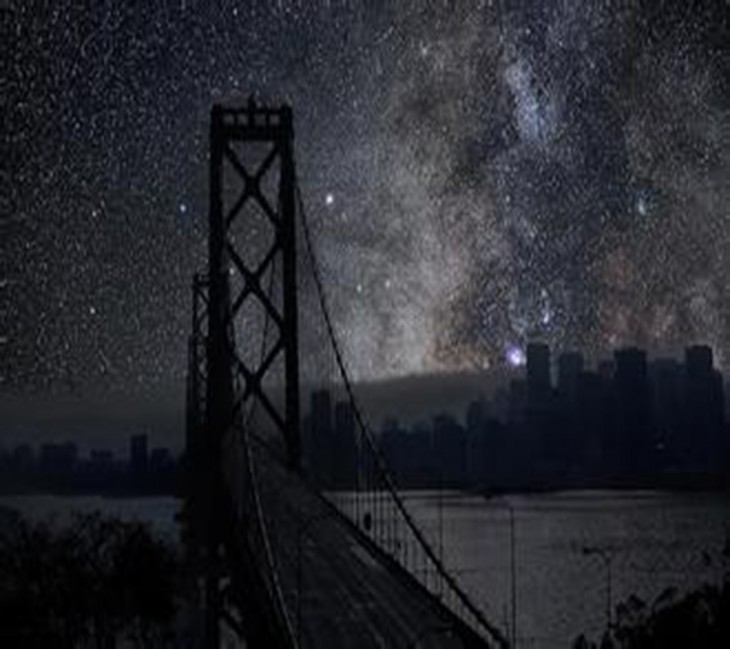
[(296, 531)]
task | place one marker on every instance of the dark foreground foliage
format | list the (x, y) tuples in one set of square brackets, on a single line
[(96, 582), (700, 619)]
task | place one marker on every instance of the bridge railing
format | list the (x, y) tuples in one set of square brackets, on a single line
[(240, 473), (362, 488)]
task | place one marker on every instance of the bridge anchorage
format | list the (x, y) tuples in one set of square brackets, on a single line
[(285, 556)]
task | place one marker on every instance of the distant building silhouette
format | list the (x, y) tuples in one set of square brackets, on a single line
[(160, 460), (58, 459), (517, 402), (322, 457), (476, 440), (345, 467), (138, 459), (633, 440), (667, 380), (538, 369), (607, 368), (23, 458), (593, 421), (570, 365), (101, 461), (703, 406), (449, 450), (60, 469)]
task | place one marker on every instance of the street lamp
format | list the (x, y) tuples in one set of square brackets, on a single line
[(512, 569), (606, 555)]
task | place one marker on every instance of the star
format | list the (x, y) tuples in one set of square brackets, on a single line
[(515, 356), (474, 175)]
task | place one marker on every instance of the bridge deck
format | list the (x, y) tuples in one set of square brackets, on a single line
[(339, 591)]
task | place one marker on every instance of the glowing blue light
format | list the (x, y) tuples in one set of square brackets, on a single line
[(515, 356)]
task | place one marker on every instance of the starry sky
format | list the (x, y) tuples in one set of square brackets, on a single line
[(477, 174)]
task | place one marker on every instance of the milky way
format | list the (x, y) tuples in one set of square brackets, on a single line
[(476, 174)]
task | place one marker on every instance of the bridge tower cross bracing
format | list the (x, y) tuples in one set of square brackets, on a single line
[(233, 380), (226, 257)]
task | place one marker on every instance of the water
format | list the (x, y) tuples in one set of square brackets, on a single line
[(649, 540), (566, 543)]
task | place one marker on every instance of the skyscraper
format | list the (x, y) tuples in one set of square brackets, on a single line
[(634, 437), (323, 451), (666, 387), (345, 445), (570, 365), (138, 454), (703, 406), (538, 368)]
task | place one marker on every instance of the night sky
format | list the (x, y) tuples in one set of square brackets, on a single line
[(476, 177)]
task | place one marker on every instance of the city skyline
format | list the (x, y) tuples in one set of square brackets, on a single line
[(629, 423), (397, 316), (108, 421)]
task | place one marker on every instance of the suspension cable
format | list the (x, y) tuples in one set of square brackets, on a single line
[(380, 464)]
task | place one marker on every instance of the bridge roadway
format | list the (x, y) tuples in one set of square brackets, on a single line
[(339, 590)]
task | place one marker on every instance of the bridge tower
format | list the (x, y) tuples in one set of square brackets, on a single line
[(250, 286), (229, 255), (248, 193)]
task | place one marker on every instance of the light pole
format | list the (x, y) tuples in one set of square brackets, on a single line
[(513, 571), (606, 555)]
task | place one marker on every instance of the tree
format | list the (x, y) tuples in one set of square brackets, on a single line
[(700, 618), (91, 583)]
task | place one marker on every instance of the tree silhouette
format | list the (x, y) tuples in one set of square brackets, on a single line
[(91, 583), (700, 618)]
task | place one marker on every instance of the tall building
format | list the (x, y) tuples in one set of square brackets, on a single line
[(634, 435), (666, 390), (58, 459), (323, 453), (449, 448), (23, 458), (542, 438), (344, 420), (138, 454), (570, 365), (477, 415), (570, 368), (703, 407), (607, 368), (322, 412), (160, 460), (538, 368), (517, 402), (345, 447), (698, 361)]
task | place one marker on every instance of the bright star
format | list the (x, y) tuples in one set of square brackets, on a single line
[(515, 356)]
